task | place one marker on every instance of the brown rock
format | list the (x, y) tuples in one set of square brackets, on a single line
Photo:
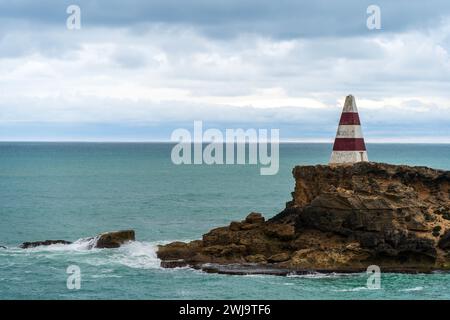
[(257, 245), (235, 226), (249, 226), (280, 257), (219, 236), (174, 263), (444, 242), (234, 250), (214, 250), (114, 239), (257, 258), (254, 217), (179, 250), (280, 231), (27, 245)]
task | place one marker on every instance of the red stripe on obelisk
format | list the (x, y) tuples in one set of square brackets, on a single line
[(349, 144), (349, 118)]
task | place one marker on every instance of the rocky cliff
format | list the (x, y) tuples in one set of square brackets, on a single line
[(340, 219)]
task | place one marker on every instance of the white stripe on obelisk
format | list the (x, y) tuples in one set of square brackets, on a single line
[(348, 157), (349, 131)]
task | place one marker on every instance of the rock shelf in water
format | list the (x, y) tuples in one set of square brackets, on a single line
[(113, 239)]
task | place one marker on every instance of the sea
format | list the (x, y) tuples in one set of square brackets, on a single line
[(74, 190)]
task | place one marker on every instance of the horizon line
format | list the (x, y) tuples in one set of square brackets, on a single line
[(175, 142)]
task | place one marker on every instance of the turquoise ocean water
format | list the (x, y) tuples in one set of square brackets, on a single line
[(75, 190)]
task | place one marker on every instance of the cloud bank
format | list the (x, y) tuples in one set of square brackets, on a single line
[(138, 69)]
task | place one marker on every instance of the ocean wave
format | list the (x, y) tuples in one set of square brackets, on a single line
[(354, 289), (82, 244), (134, 254)]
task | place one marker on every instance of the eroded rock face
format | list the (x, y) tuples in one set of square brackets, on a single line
[(389, 210), (341, 218)]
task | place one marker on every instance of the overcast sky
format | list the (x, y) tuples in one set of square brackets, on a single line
[(136, 70)]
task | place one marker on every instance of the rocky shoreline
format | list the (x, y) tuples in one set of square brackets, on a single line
[(340, 219)]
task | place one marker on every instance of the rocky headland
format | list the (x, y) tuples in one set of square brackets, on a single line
[(341, 219)]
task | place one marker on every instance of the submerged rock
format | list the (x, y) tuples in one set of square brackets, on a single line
[(341, 219), (113, 239), (34, 244)]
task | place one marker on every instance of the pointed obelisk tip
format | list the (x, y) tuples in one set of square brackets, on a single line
[(350, 104)]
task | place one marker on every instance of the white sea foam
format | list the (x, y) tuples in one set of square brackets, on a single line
[(104, 276), (310, 275), (256, 276), (412, 289), (135, 254), (79, 245), (318, 275), (353, 289)]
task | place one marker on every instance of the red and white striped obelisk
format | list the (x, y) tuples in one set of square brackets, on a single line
[(349, 146)]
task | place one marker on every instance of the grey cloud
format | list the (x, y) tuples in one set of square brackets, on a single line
[(24, 39), (229, 18), (210, 52)]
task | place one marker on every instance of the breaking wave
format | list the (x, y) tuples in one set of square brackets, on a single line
[(135, 254)]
